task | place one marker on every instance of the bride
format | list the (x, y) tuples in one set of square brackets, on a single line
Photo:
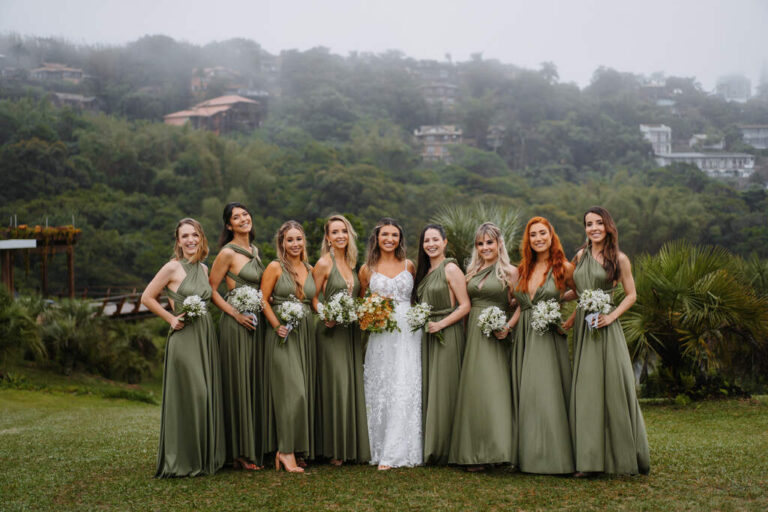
[(392, 372)]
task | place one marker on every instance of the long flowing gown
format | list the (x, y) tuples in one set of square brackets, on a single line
[(441, 367), (607, 424), (242, 353), (392, 377), (192, 422), (289, 393), (341, 414), (482, 429), (541, 378)]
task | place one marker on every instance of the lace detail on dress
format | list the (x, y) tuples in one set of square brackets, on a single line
[(392, 375)]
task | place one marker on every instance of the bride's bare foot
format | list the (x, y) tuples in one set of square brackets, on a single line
[(384, 468), (337, 462)]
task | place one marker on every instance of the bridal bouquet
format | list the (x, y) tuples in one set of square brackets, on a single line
[(594, 302), (340, 309), (291, 312), (376, 314), (545, 314), (418, 317), (491, 319), (247, 301), (193, 308)]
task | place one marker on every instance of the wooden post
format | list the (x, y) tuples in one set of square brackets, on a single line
[(71, 270), (44, 270)]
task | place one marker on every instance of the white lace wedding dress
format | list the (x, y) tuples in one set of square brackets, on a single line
[(392, 376)]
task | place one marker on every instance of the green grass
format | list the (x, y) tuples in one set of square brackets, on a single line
[(67, 451)]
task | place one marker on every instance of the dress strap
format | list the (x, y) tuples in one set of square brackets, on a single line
[(176, 296), (236, 278)]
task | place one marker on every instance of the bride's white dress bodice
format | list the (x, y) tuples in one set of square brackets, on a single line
[(392, 376)]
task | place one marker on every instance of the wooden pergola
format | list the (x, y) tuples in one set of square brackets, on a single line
[(42, 240)]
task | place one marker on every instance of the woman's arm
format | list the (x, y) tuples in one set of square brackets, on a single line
[(365, 279), (149, 298), (268, 282), (510, 325), (320, 274), (630, 293), (458, 285), (221, 265)]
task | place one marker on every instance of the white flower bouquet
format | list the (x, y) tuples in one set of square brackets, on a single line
[(545, 315), (376, 313), (193, 308), (418, 317), (291, 312), (341, 308), (247, 301), (594, 302), (491, 319)]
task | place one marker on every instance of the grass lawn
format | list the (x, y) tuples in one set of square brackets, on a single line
[(64, 450)]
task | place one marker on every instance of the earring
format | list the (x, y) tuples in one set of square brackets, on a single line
[(330, 244)]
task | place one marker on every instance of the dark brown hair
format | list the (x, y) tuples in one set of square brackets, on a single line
[(610, 250)]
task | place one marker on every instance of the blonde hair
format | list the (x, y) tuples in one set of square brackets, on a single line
[(350, 253), (504, 268), (287, 267), (202, 248)]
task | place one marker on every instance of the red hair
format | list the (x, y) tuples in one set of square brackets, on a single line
[(556, 257)]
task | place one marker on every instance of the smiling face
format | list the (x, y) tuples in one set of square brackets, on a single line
[(338, 235), (488, 249), (188, 238), (293, 243), (540, 237), (595, 227), (434, 243), (389, 238), (240, 221)]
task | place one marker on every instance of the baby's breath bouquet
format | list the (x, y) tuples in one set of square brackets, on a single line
[(376, 313), (491, 319), (545, 315), (341, 308), (594, 302), (290, 312), (247, 301), (418, 317), (193, 308)]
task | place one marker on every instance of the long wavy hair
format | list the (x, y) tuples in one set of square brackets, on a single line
[(373, 252), (283, 258), (202, 247), (422, 261), (227, 234), (610, 250), (556, 260), (350, 253), (504, 268)]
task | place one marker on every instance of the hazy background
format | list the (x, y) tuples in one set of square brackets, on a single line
[(701, 38)]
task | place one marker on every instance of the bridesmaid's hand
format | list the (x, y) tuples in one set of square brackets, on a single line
[(178, 322), (330, 323), (282, 331), (568, 324), (433, 327), (503, 333), (245, 320), (605, 320)]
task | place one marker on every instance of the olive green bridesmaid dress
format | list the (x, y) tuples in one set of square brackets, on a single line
[(441, 367), (290, 383), (192, 422), (242, 352), (541, 379), (341, 416), (606, 421), (482, 428)]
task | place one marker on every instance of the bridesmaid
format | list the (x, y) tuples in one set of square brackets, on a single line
[(441, 283), (289, 356), (241, 340), (541, 369), (607, 425), (191, 424), (343, 426), (482, 429)]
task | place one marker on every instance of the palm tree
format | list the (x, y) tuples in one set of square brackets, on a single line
[(18, 330), (461, 222), (695, 310)]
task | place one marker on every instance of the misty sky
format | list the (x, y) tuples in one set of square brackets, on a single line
[(701, 38)]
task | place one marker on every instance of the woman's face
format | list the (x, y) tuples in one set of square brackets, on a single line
[(293, 243), (338, 235), (540, 237), (595, 228), (240, 221), (487, 248), (389, 238), (188, 239), (434, 243)]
